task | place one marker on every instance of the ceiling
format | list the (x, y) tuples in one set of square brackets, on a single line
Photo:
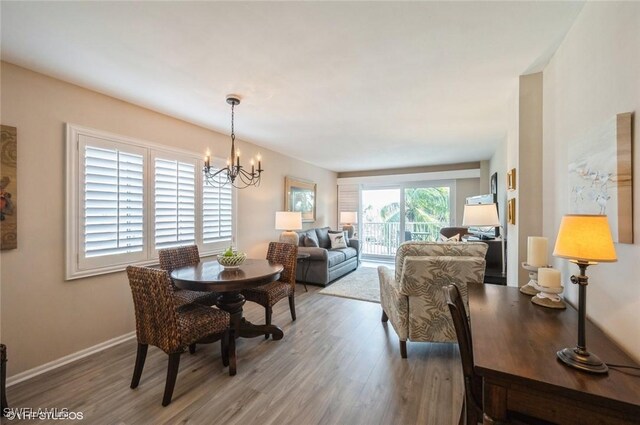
[(346, 86)]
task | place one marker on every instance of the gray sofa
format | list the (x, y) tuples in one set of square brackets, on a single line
[(325, 264)]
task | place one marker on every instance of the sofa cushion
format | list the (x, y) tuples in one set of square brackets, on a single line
[(335, 257), (311, 234), (337, 240), (323, 237), (346, 235), (310, 242), (348, 252)]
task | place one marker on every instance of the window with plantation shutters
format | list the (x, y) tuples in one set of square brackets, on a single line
[(127, 199), (217, 213), (174, 203), (113, 202)]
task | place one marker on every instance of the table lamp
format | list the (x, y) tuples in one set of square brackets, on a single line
[(288, 221), (347, 219), (584, 240), (483, 215)]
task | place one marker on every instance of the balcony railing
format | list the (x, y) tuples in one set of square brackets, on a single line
[(383, 239)]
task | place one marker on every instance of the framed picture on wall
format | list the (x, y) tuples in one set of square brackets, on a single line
[(511, 179), (300, 196), (511, 211), (494, 183)]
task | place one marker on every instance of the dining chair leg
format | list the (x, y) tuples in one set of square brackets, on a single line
[(292, 306), (403, 349), (224, 345), (231, 353), (172, 374), (385, 318), (462, 413), (137, 370), (268, 312), (192, 348)]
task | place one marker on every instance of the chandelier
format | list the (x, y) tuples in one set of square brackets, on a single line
[(233, 173)]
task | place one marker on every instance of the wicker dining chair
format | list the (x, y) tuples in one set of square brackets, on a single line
[(268, 295), (161, 323), (182, 256)]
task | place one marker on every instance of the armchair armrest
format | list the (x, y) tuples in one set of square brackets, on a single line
[(355, 243), (317, 254)]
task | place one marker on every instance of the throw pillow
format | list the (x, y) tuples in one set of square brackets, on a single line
[(454, 238), (310, 243), (337, 240), (346, 235)]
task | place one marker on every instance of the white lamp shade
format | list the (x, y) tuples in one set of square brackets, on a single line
[(287, 220), (348, 217), (480, 215), (585, 238)]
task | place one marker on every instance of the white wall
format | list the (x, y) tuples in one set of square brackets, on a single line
[(594, 75), (45, 317), (464, 189)]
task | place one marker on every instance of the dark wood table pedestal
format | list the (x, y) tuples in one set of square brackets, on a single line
[(232, 303)]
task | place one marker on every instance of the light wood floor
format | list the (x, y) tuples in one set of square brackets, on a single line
[(337, 364)]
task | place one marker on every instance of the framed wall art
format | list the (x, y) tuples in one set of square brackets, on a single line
[(9, 188), (300, 196), (511, 211), (511, 179), (601, 175)]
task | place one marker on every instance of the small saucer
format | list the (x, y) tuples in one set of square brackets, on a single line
[(544, 301), (547, 290), (528, 289)]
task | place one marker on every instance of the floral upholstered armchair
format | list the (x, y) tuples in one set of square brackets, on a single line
[(412, 298)]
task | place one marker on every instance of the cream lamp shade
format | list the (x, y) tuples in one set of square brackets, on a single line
[(585, 238), (480, 215), (288, 221), (348, 217)]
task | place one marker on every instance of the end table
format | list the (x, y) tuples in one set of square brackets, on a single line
[(304, 259)]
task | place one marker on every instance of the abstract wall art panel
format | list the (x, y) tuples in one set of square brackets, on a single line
[(8, 188), (600, 175)]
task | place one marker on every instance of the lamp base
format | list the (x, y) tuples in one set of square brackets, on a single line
[(289, 236), (582, 360), (350, 229)]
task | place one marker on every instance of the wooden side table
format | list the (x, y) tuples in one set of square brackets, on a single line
[(304, 259)]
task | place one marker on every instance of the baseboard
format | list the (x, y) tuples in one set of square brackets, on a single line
[(39, 370)]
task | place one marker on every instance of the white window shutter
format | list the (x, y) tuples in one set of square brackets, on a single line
[(174, 203), (114, 200), (217, 212), (348, 199)]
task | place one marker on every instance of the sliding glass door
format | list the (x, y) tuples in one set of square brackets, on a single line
[(426, 211), (403, 212), (380, 221)]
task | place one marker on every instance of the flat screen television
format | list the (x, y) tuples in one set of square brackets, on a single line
[(484, 232)]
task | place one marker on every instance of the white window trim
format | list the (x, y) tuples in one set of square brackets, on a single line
[(73, 219)]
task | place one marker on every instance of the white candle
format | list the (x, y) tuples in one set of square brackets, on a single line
[(537, 251), (549, 278)]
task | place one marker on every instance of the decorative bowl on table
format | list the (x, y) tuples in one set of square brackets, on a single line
[(230, 262)]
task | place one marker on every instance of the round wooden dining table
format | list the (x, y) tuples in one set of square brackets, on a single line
[(210, 276)]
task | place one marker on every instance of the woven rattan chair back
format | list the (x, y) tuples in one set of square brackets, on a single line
[(287, 255), (156, 316), (182, 256)]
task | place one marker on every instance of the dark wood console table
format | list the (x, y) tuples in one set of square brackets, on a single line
[(514, 349)]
